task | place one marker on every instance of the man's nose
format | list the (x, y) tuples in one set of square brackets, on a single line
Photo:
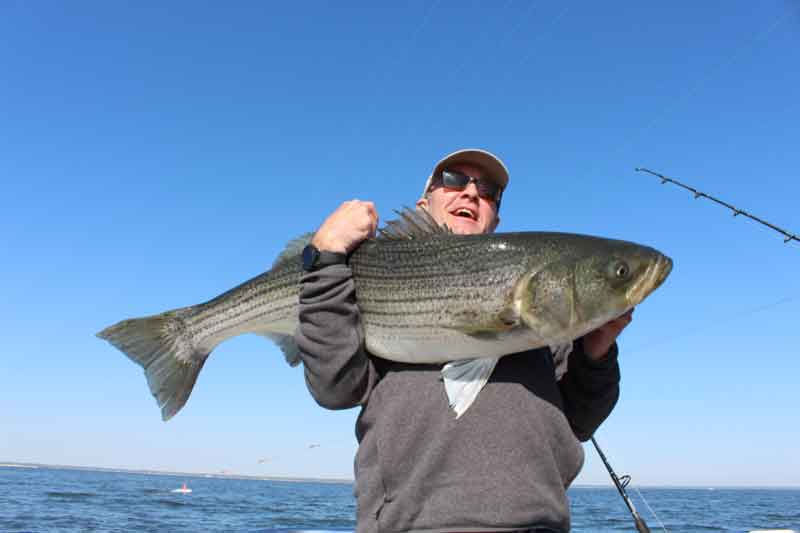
[(471, 190)]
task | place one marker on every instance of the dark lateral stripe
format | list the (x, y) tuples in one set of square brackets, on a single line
[(208, 328), (395, 325), (258, 290), (366, 277), (226, 310), (439, 303), (264, 289)]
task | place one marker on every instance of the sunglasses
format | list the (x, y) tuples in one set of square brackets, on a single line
[(487, 188)]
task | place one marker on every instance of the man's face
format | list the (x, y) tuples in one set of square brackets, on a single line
[(464, 212)]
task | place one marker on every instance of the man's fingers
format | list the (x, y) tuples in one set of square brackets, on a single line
[(369, 217), (352, 222), (618, 324), (373, 218), (625, 318)]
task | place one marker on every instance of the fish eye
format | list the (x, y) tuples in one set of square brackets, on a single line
[(620, 270)]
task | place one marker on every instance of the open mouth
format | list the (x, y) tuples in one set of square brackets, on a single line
[(464, 212)]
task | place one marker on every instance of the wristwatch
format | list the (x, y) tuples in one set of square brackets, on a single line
[(314, 258)]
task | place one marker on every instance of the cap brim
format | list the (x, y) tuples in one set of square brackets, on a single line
[(489, 162)]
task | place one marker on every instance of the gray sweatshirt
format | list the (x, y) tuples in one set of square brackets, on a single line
[(503, 465)]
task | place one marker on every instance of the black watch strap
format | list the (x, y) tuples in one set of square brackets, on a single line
[(314, 258)]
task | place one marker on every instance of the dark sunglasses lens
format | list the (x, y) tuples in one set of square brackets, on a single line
[(487, 189), (456, 180)]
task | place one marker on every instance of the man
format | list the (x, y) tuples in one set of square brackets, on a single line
[(506, 463)]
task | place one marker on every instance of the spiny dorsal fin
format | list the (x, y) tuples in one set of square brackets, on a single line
[(412, 224), (294, 247)]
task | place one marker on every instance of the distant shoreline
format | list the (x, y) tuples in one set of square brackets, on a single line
[(344, 481), (14, 464)]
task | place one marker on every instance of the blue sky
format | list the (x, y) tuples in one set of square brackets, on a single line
[(154, 155)]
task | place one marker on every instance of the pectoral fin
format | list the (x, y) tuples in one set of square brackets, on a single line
[(463, 380), (476, 325)]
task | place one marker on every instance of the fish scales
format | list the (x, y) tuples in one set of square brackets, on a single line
[(429, 297), (443, 277)]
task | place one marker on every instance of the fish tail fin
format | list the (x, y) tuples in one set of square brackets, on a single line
[(166, 350)]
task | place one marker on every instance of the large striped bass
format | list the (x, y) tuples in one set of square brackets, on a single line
[(425, 295)]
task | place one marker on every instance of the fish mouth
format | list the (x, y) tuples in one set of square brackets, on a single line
[(652, 278)]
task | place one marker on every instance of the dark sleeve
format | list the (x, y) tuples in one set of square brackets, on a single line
[(590, 389), (338, 372)]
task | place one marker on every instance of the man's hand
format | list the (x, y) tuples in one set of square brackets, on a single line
[(597, 343), (346, 227)]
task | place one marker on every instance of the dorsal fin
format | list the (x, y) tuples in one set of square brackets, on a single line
[(412, 224), (294, 247)]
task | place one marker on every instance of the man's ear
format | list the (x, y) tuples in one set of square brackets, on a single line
[(422, 203)]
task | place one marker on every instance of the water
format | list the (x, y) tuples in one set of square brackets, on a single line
[(46, 500)]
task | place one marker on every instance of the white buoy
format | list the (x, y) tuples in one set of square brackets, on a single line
[(182, 490)]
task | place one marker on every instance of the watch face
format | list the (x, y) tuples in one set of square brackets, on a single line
[(310, 256)]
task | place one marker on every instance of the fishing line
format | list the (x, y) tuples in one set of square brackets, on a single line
[(699, 83), (651, 509), (454, 73), (539, 35), (621, 483), (729, 318), (702, 81), (522, 19), (388, 66), (484, 99), (467, 58), (425, 18)]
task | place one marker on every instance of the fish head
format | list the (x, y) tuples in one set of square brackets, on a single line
[(589, 286)]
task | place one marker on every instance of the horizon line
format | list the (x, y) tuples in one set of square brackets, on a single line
[(350, 481)]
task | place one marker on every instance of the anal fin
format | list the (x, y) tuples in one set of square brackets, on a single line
[(287, 345)]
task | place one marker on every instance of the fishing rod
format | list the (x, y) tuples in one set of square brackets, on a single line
[(621, 483), (736, 211)]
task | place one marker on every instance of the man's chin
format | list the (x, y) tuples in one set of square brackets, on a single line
[(464, 226)]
